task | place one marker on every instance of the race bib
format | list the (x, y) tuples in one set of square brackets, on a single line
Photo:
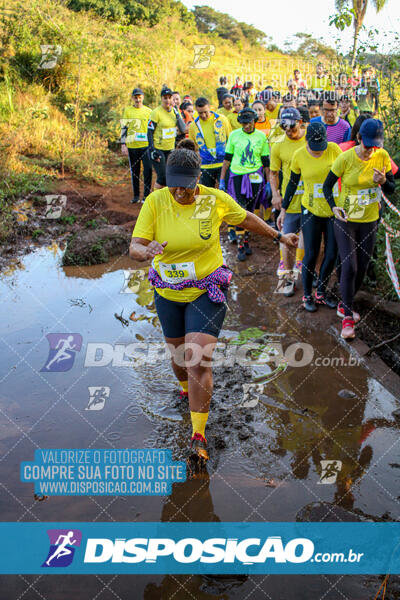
[(177, 272), (168, 133), (141, 137), (318, 193), (300, 189), (369, 196), (362, 91), (255, 177)]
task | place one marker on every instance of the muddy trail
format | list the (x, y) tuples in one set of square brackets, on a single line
[(321, 400)]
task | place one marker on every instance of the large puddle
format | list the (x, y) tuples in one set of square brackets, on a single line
[(266, 452)]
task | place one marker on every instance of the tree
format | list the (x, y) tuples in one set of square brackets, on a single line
[(358, 8), (209, 20)]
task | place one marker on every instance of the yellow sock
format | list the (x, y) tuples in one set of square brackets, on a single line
[(199, 421), (267, 213), (184, 385), (299, 254), (280, 253)]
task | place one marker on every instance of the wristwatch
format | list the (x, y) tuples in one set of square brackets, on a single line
[(278, 237)]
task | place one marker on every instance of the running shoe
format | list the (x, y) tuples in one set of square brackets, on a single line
[(340, 313), (315, 279), (232, 236), (241, 255), (298, 266), (288, 286), (198, 454), (348, 332), (247, 249), (324, 300), (135, 200), (309, 304), (281, 269)]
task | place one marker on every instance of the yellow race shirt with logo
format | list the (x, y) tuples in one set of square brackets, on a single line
[(192, 232), (165, 132), (320, 83), (232, 118), (136, 120), (207, 127), (281, 158), (313, 172), (359, 195)]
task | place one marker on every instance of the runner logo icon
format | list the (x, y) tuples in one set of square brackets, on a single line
[(62, 547), (62, 351)]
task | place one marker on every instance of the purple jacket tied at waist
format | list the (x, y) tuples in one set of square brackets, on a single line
[(246, 189), (221, 276)]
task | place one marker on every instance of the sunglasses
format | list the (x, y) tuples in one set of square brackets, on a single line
[(288, 125)]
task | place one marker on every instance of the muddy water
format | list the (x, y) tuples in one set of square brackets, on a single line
[(265, 457)]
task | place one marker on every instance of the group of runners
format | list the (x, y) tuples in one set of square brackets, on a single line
[(307, 169)]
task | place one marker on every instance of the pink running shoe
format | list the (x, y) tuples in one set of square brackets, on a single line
[(348, 332), (340, 313)]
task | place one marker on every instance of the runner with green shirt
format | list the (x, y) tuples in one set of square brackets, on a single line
[(134, 142), (178, 228), (281, 158), (210, 132), (311, 164), (161, 133), (247, 156), (365, 171)]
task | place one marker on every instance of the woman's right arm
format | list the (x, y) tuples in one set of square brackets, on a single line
[(142, 249)]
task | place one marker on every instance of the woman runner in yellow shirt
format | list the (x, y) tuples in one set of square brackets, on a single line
[(178, 229)]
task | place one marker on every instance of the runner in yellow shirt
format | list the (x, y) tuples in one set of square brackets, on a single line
[(238, 105), (161, 132), (210, 132), (365, 170), (227, 105), (178, 228), (289, 221), (311, 164), (134, 142)]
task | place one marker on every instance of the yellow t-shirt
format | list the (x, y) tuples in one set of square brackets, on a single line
[(313, 172), (281, 158), (165, 132), (207, 127), (232, 118), (320, 83), (272, 115), (223, 111), (192, 232), (359, 195), (136, 120)]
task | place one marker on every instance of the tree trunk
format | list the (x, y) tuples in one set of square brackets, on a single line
[(357, 27)]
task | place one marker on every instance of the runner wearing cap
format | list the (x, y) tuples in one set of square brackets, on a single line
[(161, 132), (288, 221), (178, 229), (210, 132), (227, 105), (365, 171), (134, 142), (247, 155), (222, 90), (311, 164), (238, 105), (337, 129)]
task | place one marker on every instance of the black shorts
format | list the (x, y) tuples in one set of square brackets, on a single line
[(160, 167), (200, 316)]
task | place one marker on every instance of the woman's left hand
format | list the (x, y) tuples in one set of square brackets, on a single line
[(379, 176), (290, 239)]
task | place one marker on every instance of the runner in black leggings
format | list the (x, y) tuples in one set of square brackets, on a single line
[(365, 171)]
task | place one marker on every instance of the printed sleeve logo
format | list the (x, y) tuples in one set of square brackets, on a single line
[(62, 351), (63, 543)]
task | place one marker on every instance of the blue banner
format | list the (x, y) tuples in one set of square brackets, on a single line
[(213, 548)]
